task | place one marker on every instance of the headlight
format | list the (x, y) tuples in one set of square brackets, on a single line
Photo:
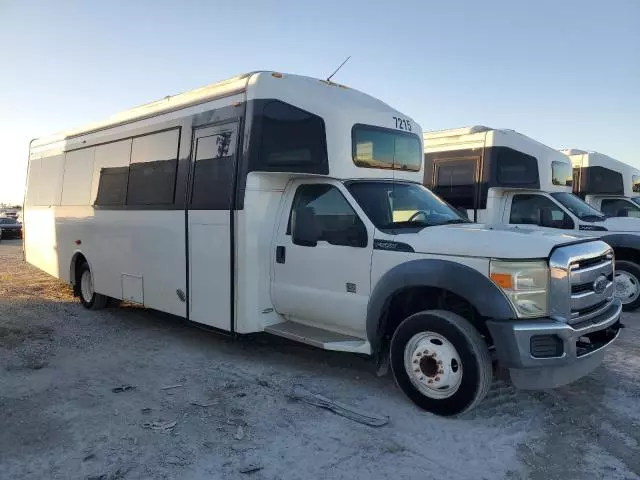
[(526, 284)]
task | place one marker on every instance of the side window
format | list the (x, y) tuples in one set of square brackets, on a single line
[(538, 210), (515, 168), (111, 173), (213, 168), (78, 174), (33, 180), (292, 139), (50, 180), (456, 182), (152, 171), (336, 221)]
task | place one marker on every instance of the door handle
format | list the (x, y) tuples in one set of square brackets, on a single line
[(280, 254)]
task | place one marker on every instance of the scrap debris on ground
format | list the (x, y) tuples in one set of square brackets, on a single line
[(232, 410)]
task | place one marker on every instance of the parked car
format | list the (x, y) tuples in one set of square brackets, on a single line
[(10, 228)]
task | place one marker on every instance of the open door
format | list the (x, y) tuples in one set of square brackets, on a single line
[(209, 225)]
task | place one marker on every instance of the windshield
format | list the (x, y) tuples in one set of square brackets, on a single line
[(635, 200), (578, 207), (394, 205), (619, 207), (375, 147)]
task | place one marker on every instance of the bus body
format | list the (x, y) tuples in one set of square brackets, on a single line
[(505, 178), (292, 205), (604, 183)]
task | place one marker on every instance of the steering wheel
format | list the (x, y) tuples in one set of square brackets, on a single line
[(416, 214)]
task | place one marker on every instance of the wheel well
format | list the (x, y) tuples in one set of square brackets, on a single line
[(77, 260), (416, 299), (629, 254)]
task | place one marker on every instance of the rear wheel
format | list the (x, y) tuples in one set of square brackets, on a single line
[(89, 298), (441, 362), (627, 284)]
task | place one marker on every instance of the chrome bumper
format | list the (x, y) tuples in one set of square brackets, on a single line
[(582, 347)]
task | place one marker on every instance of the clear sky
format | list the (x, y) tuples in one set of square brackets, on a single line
[(566, 72)]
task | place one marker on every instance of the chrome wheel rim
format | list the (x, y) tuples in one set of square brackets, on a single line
[(86, 286), (627, 286), (433, 365)]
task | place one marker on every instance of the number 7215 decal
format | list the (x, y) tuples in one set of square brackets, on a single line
[(402, 124)]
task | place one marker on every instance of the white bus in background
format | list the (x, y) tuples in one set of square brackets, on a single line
[(292, 205), (503, 177), (603, 182)]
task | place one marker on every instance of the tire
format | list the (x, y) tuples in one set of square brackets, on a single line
[(466, 385), (89, 298), (627, 284)]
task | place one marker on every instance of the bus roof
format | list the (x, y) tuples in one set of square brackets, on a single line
[(169, 103), (239, 84)]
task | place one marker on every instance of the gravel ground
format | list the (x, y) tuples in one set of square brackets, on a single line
[(60, 419)]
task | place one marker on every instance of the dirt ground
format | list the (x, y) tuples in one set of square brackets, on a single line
[(234, 418)]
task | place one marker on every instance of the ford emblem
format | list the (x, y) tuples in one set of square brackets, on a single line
[(600, 284)]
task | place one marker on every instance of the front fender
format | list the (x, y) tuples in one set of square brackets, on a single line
[(622, 240), (454, 277)]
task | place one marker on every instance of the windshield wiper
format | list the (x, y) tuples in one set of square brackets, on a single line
[(593, 218), (454, 220), (407, 224)]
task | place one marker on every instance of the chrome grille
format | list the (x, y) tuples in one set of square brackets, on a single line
[(581, 285)]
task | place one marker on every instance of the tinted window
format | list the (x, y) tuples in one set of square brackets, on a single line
[(600, 180), (336, 220), (111, 173), (375, 147), (291, 138), (456, 182), (515, 168), (528, 210), (619, 207), (152, 172), (561, 174), (213, 167)]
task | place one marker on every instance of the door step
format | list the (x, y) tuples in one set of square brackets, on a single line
[(319, 337)]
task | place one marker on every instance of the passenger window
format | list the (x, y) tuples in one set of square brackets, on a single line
[(214, 165), (336, 221), (292, 140), (538, 210), (152, 170), (456, 181)]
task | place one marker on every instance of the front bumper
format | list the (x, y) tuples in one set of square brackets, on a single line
[(570, 351)]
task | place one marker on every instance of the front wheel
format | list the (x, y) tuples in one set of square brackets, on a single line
[(627, 284), (89, 298), (441, 362)]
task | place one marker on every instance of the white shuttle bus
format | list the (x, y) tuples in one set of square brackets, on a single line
[(294, 206), (604, 183), (502, 177)]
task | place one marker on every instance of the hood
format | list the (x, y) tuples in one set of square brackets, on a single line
[(621, 224), (494, 241)]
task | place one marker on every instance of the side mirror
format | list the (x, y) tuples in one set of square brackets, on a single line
[(357, 235), (623, 212), (304, 229), (463, 211), (546, 218)]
